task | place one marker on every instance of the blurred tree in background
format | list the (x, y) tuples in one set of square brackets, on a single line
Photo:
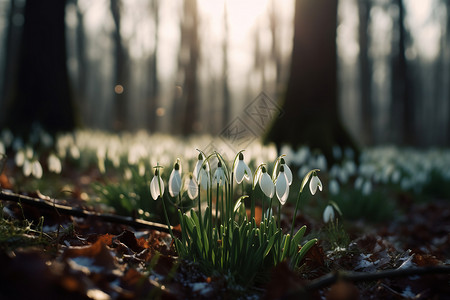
[(40, 92), (311, 114)]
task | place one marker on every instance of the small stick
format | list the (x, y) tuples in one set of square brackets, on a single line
[(78, 212)]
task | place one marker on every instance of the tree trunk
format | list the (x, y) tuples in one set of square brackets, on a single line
[(310, 104), (226, 90), (153, 71), (191, 49), (402, 106), (120, 71), (365, 72), (13, 34), (41, 93)]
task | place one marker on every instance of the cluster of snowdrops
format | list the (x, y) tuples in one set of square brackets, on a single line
[(221, 236)]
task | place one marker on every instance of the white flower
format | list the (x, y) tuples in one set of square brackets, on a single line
[(19, 158), (219, 175), (191, 187), (198, 166), (287, 171), (314, 183), (203, 177), (241, 170), (175, 180), (266, 183), (2, 148), (334, 187), (156, 188), (36, 169), (282, 186), (54, 164), (27, 168), (367, 188), (328, 214)]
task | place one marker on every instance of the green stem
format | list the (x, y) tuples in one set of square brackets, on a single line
[(217, 206), (270, 207), (167, 218), (252, 209), (200, 219), (281, 236), (297, 204)]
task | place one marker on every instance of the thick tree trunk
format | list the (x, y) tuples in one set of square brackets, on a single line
[(402, 108), (366, 72), (310, 103), (120, 71), (190, 38), (41, 93)]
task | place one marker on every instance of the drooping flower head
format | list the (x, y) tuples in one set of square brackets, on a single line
[(203, 177), (190, 185), (266, 183), (315, 183), (156, 185), (175, 180), (282, 186), (219, 175), (287, 170), (328, 214), (199, 165), (241, 170)]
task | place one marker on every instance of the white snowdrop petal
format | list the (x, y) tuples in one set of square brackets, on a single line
[(328, 214), (288, 173), (192, 189), (36, 169), (266, 185), (282, 187), (27, 168), (174, 183)]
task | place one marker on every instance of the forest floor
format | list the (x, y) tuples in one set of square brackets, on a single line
[(48, 254)]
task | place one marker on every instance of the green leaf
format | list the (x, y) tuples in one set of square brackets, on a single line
[(297, 239), (305, 248), (271, 242)]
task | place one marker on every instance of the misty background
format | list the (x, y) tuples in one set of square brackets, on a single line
[(191, 66)]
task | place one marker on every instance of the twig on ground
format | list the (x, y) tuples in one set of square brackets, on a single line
[(78, 212), (334, 277)]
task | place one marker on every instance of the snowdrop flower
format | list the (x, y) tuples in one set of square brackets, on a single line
[(175, 180), (242, 171), (127, 174), (334, 187), (156, 185), (328, 214), (198, 166), (54, 164), (266, 183), (287, 171), (314, 183), (141, 168), (74, 152), (282, 186), (219, 175), (27, 168), (359, 182), (367, 188), (19, 159), (2, 148), (191, 187), (203, 177), (36, 169)]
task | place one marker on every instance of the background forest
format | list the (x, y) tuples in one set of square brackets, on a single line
[(191, 66)]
